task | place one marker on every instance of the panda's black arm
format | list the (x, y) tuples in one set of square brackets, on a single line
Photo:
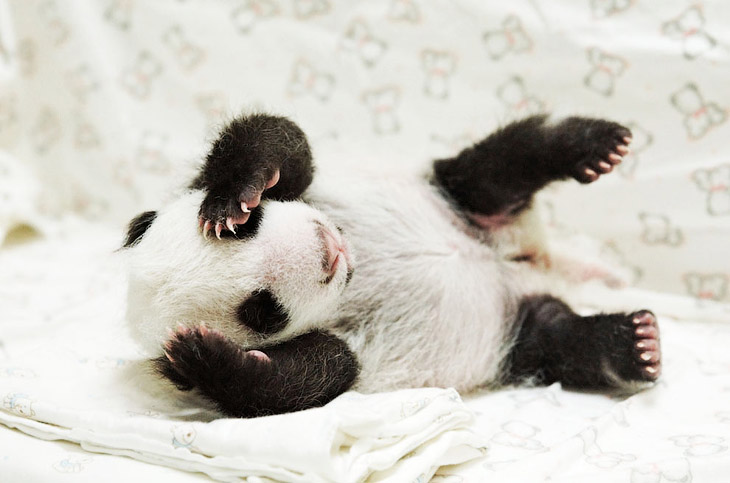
[(257, 156), (500, 174), (305, 372)]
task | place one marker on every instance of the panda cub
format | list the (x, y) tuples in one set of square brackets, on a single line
[(269, 291)]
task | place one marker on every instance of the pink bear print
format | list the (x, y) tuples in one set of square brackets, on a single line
[(716, 183), (629, 272), (518, 434), (706, 286), (438, 67), (46, 130), (510, 38), (212, 105), (27, 55), (669, 470), (119, 13), (86, 137), (606, 69), (306, 79), (382, 104), (699, 116), (700, 444), (151, 153), (123, 172), (514, 95), (596, 456), (544, 396), (137, 80), (8, 119), (689, 28), (305, 9), (82, 82), (188, 55), (404, 11), (251, 12), (658, 230), (605, 8), (55, 26), (359, 40)]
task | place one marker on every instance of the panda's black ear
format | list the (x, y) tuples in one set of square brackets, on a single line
[(138, 226)]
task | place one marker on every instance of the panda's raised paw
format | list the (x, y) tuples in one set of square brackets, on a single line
[(196, 357), (223, 209), (604, 144)]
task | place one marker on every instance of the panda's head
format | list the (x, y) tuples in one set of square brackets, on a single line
[(282, 274)]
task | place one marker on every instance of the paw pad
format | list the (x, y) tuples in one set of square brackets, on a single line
[(609, 147), (647, 349)]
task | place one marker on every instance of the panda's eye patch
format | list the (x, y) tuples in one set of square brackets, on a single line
[(262, 313)]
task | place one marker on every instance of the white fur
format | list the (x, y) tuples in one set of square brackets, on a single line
[(430, 303), (179, 277)]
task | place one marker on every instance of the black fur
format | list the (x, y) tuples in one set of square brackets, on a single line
[(500, 174), (555, 344), (245, 157), (307, 371), (262, 313), (250, 228), (138, 226), (497, 176)]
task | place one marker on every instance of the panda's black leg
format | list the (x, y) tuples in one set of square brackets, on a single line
[(307, 371), (255, 156), (555, 344), (498, 176)]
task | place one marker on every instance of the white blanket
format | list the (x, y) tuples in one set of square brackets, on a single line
[(69, 371), (107, 105)]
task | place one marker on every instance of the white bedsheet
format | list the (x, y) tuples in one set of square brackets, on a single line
[(69, 371), (106, 105)]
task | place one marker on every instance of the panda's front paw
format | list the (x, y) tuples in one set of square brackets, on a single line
[(203, 359), (224, 208)]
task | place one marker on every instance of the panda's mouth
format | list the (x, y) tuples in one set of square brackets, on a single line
[(334, 252)]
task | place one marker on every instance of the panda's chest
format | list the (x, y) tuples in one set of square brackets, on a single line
[(410, 248)]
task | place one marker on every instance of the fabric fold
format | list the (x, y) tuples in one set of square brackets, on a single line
[(398, 436)]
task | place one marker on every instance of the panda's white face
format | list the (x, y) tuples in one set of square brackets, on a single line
[(284, 272)]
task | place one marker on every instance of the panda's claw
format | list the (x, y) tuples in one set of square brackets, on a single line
[(206, 228), (218, 228), (274, 179), (229, 224)]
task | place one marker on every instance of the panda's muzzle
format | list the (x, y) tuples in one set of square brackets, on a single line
[(334, 252)]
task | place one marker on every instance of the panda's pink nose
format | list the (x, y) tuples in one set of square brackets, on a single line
[(334, 252)]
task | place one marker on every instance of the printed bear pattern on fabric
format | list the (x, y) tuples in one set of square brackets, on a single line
[(384, 70)]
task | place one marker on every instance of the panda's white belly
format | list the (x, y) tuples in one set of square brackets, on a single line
[(428, 303)]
